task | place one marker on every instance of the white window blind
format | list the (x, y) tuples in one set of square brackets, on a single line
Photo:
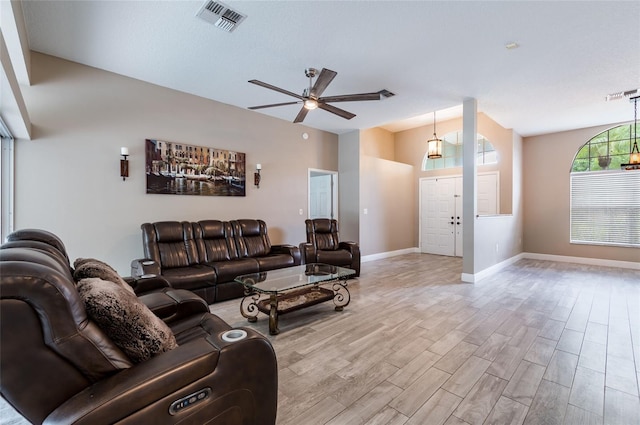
[(605, 208)]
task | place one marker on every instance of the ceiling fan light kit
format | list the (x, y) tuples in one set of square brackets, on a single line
[(311, 97)]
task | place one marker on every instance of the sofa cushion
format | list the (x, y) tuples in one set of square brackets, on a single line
[(339, 257), (214, 240), (128, 322), (190, 277), (275, 261), (90, 267), (227, 271)]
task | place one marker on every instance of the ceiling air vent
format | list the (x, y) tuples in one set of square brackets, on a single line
[(220, 15), (622, 94)]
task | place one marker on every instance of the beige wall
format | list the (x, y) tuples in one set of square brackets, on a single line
[(387, 197), (547, 165), (378, 143), (349, 186), (411, 148), (67, 177)]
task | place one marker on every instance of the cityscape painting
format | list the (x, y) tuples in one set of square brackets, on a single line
[(180, 169)]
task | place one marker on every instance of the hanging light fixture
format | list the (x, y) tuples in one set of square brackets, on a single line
[(634, 155), (434, 146)]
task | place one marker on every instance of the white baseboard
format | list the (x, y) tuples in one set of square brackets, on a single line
[(583, 260), (474, 277), (389, 254)]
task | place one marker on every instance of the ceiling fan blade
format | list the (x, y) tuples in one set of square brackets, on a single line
[(301, 115), (274, 104), (278, 89), (325, 77), (340, 112), (351, 97)]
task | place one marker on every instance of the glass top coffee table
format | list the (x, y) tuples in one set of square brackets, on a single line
[(281, 291)]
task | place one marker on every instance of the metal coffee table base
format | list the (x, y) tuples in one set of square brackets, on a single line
[(277, 304)]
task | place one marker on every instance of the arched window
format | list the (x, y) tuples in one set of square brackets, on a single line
[(605, 151), (605, 200), (452, 152)]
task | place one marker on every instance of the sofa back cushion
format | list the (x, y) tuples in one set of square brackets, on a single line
[(251, 238), (323, 233), (170, 243), (214, 240)]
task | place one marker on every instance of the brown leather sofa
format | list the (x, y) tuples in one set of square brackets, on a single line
[(206, 256), (59, 367), (324, 246)]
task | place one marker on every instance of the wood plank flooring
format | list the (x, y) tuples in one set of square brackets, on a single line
[(537, 343)]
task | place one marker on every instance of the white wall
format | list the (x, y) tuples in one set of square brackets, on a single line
[(67, 177)]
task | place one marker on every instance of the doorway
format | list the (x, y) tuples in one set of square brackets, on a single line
[(323, 194), (441, 225)]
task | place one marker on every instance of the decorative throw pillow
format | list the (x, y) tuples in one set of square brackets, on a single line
[(129, 323), (90, 267)]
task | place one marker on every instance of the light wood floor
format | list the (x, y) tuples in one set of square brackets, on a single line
[(538, 343)]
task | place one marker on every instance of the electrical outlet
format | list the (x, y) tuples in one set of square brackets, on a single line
[(300, 211)]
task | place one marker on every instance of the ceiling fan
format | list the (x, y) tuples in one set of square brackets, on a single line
[(310, 98)]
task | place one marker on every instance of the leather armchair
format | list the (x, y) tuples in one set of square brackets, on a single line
[(59, 367), (323, 246)]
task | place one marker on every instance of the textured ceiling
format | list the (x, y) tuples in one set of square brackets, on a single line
[(430, 54)]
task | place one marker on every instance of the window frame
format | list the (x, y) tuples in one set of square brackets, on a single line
[(615, 204)]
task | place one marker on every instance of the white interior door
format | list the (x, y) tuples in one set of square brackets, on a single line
[(441, 216), (323, 194), (458, 217), (441, 225), (437, 209)]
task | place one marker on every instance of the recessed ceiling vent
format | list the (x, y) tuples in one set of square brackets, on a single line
[(220, 15), (622, 95)]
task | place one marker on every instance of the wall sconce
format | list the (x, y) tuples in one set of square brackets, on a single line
[(256, 175), (124, 163)]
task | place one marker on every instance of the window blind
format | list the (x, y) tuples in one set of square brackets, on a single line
[(605, 208)]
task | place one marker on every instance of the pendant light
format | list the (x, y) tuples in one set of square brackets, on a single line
[(634, 155), (434, 146)]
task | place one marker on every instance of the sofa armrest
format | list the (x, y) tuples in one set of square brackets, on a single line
[(291, 250), (145, 392), (307, 252), (148, 284), (144, 267), (352, 247), (174, 304)]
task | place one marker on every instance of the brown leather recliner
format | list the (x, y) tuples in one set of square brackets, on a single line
[(323, 246), (59, 367)]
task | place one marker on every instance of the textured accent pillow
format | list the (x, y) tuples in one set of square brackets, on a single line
[(90, 267), (129, 323)]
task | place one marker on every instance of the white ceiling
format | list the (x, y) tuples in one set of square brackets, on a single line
[(431, 54)]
